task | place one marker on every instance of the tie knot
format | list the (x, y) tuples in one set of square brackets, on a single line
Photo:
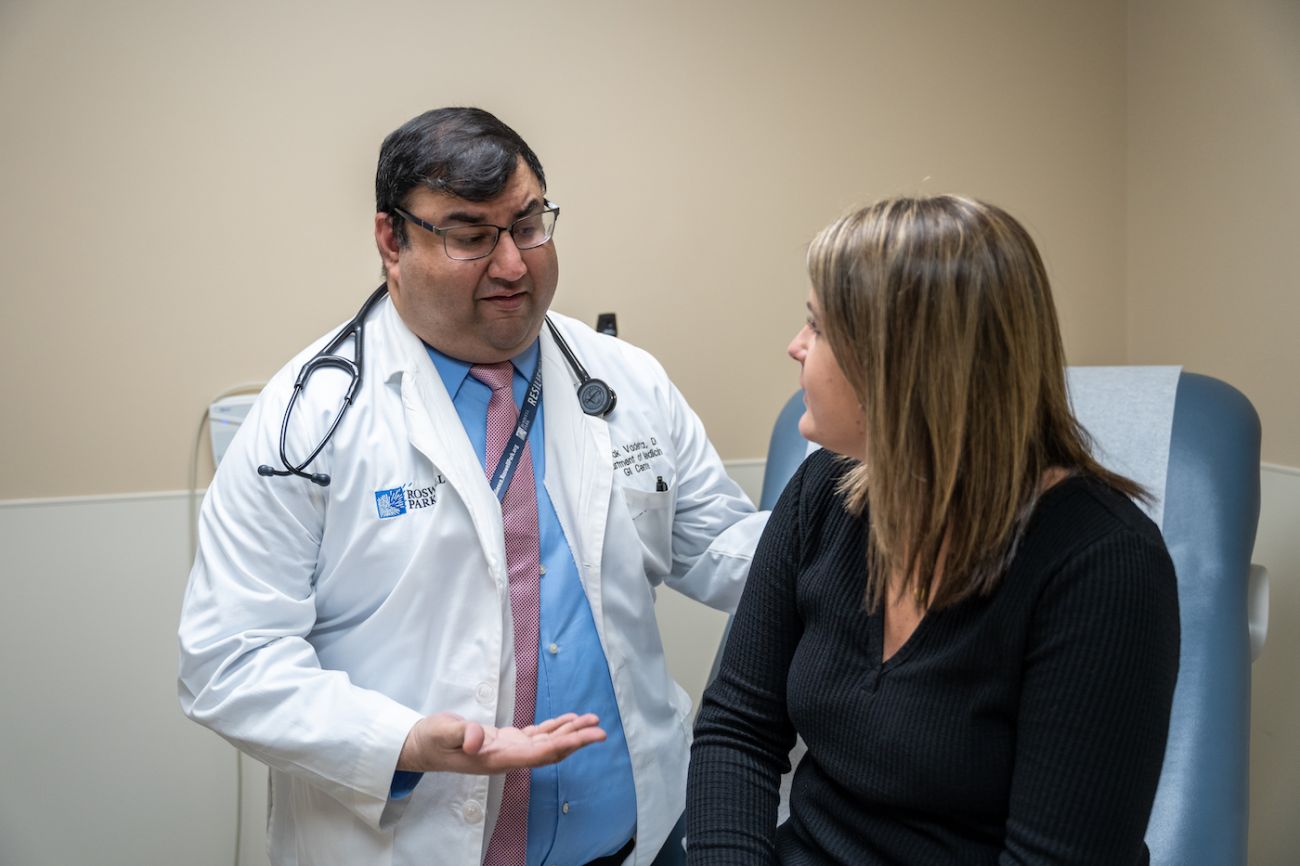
[(495, 376)]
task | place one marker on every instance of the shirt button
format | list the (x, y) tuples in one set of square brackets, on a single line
[(565, 808), (553, 648), (542, 570), (485, 693), (473, 811)]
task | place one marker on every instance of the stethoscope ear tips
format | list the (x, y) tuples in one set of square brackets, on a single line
[(265, 471)]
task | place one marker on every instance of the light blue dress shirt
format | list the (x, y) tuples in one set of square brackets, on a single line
[(585, 806)]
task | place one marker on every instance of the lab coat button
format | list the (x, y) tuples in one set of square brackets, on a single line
[(473, 811), (485, 693)]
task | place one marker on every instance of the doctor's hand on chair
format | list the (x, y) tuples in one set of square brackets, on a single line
[(445, 742)]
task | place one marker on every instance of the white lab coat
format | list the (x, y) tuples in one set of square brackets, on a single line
[(315, 633)]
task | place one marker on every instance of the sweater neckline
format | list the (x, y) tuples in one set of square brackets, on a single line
[(876, 623)]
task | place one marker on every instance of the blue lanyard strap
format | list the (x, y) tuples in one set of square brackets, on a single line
[(509, 461)]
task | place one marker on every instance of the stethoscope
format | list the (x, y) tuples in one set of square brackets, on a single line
[(594, 396)]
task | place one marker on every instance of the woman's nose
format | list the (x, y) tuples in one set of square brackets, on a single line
[(798, 347)]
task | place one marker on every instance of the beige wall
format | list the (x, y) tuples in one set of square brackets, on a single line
[(1214, 219), (188, 187), (185, 200), (1214, 198)]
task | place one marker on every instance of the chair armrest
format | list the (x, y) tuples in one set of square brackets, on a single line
[(1257, 608)]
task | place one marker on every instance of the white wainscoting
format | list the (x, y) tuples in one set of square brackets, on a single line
[(1275, 678), (97, 764)]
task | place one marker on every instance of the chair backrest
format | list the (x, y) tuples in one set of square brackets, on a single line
[(1210, 512), (785, 451), (1210, 516)]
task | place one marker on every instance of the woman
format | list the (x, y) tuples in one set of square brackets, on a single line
[(967, 619)]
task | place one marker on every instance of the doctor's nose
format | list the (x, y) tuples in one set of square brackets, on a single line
[(506, 263)]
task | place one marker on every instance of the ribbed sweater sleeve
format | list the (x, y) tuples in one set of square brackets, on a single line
[(1094, 709), (743, 736)]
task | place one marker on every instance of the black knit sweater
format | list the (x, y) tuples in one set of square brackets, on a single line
[(1026, 727)]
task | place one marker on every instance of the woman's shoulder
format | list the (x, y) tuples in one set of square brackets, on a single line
[(1088, 508), (1083, 518), (813, 491), (824, 468), (817, 480)]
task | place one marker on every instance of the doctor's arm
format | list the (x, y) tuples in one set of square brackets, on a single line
[(250, 673), (715, 526), (247, 670)]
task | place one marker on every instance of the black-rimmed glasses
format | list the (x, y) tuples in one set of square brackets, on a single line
[(468, 242)]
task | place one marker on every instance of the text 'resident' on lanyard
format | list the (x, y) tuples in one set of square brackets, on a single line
[(510, 456)]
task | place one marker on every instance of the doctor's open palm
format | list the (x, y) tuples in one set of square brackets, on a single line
[(446, 742)]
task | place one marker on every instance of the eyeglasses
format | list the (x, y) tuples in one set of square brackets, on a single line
[(469, 242)]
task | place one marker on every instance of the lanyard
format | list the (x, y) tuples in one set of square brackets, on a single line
[(509, 456)]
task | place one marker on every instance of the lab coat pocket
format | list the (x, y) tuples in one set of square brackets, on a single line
[(652, 514), (322, 831)]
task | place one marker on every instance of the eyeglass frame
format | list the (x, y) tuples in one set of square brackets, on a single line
[(441, 231)]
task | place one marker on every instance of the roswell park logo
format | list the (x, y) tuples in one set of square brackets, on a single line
[(396, 501)]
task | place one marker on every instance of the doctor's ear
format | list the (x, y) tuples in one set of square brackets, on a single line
[(386, 239)]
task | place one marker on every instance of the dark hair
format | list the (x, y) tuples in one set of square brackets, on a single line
[(466, 152)]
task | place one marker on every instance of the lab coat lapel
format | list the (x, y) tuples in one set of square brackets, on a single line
[(579, 477), (434, 429)]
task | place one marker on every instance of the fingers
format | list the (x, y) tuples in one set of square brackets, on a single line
[(570, 738), (552, 725), (561, 746), (575, 740), (435, 740), (474, 738), (565, 723), (514, 748), (445, 730)]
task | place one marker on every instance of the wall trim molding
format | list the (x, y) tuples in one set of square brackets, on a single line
[(740, 466), (99, 498)]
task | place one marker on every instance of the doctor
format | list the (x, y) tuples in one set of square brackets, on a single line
[(410, 654)]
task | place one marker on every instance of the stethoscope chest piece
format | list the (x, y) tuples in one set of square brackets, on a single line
[(596, 398)]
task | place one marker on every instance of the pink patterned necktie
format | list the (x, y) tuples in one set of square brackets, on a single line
[(509, 844)]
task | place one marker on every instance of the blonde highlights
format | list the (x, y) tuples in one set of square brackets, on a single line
[(940, 315)]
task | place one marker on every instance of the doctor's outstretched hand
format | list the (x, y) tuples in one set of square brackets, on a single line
[(445, 742)]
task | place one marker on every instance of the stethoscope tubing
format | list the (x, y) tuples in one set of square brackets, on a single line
[(595, 397)]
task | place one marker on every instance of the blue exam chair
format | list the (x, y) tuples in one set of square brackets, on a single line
[(1210, 513)]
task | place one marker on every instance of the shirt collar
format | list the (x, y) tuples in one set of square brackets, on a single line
[(454, 371)]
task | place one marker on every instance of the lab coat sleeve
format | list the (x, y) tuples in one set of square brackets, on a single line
[(247, 670), (715, 526)]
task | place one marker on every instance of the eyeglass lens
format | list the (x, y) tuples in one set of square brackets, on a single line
[(474, 242)]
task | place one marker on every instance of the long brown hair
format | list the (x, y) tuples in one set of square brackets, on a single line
[(939, 312)]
